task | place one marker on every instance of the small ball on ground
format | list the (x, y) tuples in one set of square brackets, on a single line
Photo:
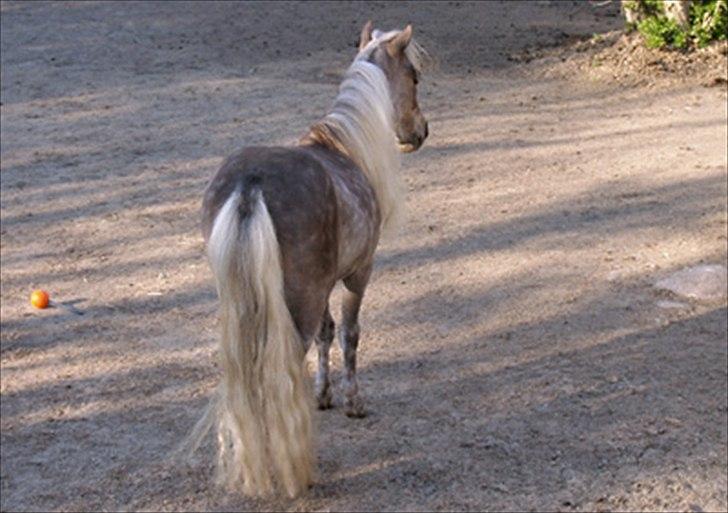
[(39, 298)]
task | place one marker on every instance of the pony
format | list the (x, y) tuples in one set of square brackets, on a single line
[(282, 226)]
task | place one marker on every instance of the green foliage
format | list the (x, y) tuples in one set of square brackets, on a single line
[(660, 32), (653, 7), (708, 22)]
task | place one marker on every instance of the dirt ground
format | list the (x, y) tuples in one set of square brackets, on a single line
[(515, 354)]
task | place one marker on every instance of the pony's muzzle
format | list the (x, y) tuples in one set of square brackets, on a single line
[(415, 140)]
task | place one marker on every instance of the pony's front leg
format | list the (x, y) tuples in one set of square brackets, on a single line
[(323, 344), (349, 340)]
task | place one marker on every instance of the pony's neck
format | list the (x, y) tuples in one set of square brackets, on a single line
[(361, 126)]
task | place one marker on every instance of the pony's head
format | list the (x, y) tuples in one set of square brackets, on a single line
[(401, 60)]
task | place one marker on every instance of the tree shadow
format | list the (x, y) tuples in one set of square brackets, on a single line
[(555, 225), (567, 429), (103, 320)]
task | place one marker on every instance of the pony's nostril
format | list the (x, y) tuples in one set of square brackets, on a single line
[(427, 130)]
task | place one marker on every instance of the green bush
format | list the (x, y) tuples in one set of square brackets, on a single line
[(660, 32), (708, 22)]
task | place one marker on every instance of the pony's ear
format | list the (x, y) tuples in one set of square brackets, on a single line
[(366, 35), (400, 41)]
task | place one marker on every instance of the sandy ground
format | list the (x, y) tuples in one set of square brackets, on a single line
[(514, 351)]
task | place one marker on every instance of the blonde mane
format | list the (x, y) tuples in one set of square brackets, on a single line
[(361, 125)]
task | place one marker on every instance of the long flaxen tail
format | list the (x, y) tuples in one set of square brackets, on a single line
[(263, 408)]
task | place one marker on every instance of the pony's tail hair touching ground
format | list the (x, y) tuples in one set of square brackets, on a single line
[(263, 406)]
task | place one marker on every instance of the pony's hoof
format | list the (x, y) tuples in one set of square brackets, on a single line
[(355, 409), (325, 400)]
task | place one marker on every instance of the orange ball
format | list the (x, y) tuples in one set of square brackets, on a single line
[(40, 298)]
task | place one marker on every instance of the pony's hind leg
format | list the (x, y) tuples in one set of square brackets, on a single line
[(349, 339), (323, 343)]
